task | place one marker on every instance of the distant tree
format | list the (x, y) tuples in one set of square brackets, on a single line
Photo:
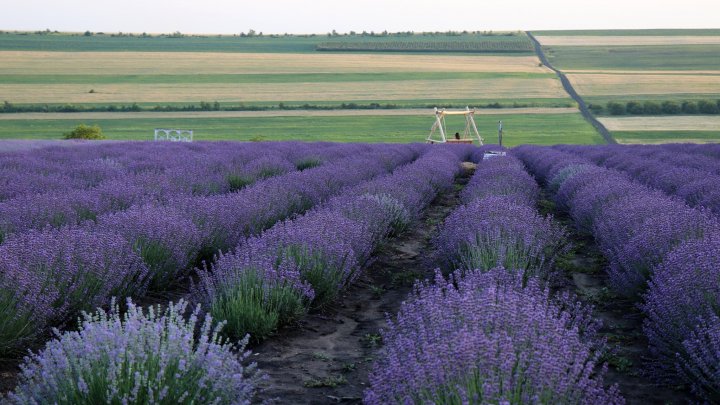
[(251, 33), (707, 107), (670, 107), (83, 131), (651, 108), (596, 108), (615, 108), (216, 106), (689, 107), (634, 108), (88, 34)]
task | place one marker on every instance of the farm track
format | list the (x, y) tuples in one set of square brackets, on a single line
[(327, 357), (622, 323), (584, 110)]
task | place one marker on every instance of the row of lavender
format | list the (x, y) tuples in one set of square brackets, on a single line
[(49, 276), (265, 281), (691, 176), (660, 251), (273, 278), (492, 332), (65, 186)]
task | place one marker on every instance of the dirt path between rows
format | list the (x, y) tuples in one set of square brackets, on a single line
[(585, 268), (327, 357)]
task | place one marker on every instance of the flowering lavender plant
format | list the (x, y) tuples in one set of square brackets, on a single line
[(483, 338), (497, 231), (164, 237), (48, 277), (682, 305), (153, 358), (504, 176)]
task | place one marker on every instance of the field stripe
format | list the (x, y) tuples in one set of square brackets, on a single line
[(620, 40), (144, 63), (251, 92), (259, 114), (664, 123), (606, 85)]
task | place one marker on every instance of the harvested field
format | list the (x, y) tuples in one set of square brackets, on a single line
[(665, 123), (644, 72), (113, 63), (246, 92), (275, 113), (613, 84), (622, 40)]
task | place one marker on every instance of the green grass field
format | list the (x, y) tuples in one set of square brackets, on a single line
[(647, 57), (543, 129), (270, 44)]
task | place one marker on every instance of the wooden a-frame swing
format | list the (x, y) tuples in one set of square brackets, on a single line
[(469, 134)]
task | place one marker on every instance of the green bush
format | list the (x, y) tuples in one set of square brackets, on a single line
[(83, 131), (635, 108), (689, 107), (596, 108), (670, 107), (615, 108), (708, 107), (651, 108)]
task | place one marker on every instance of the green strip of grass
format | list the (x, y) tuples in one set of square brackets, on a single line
[(545, 129), (226, 43), (645, 57)]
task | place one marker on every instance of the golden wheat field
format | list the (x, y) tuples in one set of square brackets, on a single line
[(128, 63), (664, 123), (600, 84), (627, 40), (324, 91)]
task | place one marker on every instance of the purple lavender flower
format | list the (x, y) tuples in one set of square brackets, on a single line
[(497, 231), (483, 338), (48, 277), (502, 177), (681, 304), (139, 357), (166, 239)]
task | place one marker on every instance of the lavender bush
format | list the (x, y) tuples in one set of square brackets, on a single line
[(502, 176), (273, 278), (497, 231), (661, 232), (164, 237), (48, 277), (682, 305), (151, 358), (483, 338)]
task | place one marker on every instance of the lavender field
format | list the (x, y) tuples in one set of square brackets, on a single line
[(290, 272)]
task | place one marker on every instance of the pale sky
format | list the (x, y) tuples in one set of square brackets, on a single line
[(279, 16)]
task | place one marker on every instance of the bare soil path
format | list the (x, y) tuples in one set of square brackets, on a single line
[(327, 357)]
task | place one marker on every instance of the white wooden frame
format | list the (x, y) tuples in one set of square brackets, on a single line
[(469, 133), (175, 135)]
